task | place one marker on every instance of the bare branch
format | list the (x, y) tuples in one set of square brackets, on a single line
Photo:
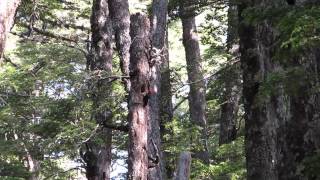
[(50, 34), (123, 128), (179, 103)]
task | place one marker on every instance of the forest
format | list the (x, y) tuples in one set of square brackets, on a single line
[(160, 89)]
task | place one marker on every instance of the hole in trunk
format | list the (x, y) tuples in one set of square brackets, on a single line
[(291, 2)]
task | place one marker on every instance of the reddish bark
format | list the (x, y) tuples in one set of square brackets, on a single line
[(138, 107)]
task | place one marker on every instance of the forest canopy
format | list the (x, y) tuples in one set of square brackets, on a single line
[(159, 89)]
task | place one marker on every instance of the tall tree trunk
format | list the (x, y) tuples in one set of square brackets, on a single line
[(158, 61), (232, 81), (166, 110), (98, 155), (7, 14), (282, 126), (120, 15), (184, 165), (197, 100), (139, 96), (33, 154)]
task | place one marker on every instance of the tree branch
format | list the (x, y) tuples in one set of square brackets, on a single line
[(8, 60), (49, 34), (212, 75), (123, 128), (179, 103)]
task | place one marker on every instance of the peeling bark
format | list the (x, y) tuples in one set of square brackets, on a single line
[(139, 96), (7, 14), (280, 127)]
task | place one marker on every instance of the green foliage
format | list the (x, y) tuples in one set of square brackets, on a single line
[(311, 165), (292, 81), (297, 28), (53, 123), (300, 28), (13, 169), (229, 163), (214, 31)]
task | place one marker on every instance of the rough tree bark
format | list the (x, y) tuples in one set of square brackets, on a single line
[(282, 126), (197, 100), (7, 14), (159, 101), (139, 96), (120, 15), (98, 155), (232, 81), (184, 165)]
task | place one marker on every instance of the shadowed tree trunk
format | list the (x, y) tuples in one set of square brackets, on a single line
[(232, 81), (97, 155), (158, 103), (119, 11), (139, 96), (184, 165), (282, 125), (7, 14), (166, 110), (197, 100)]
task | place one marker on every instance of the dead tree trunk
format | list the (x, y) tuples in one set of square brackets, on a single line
[(158, 61), (232, 81), (139, 96), (120, 15), (281, 123), (197, 100), (98, 155), (7, 14)]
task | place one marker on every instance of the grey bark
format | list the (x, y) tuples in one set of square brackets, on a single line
[(97, 156), (7, 14), (120, 15), (139, 96), (184, 165), (159, 100), (281, 128), (197, 100), (232, 81)]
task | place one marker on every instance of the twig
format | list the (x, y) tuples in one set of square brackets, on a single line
[(49, 34), (179, 103), (62, 172), (123, 128), (210, 76), (8, 60)]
